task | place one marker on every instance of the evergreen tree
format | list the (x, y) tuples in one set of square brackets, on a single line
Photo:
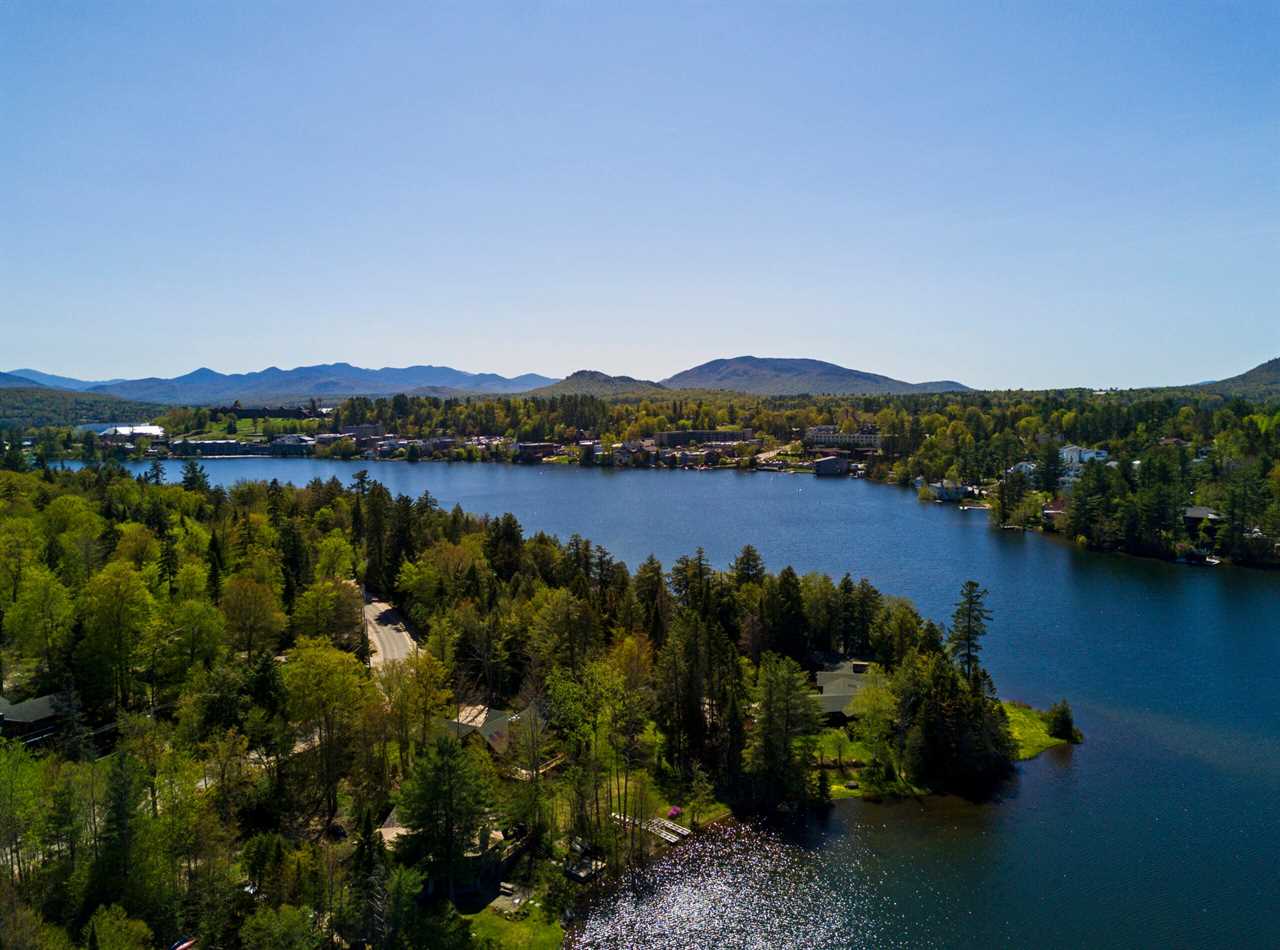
[(968, 626), (168, 560), (215, 559), (194, 477), (748, 567), (503, 546), (444, 802), (784, 606), (654, 599), (112, 868), (368, 883), (787, 713), (691, 581), (1049, 467), (867, 606), (275, 503)]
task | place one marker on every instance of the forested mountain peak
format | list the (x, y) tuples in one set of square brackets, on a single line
[(774, 376)]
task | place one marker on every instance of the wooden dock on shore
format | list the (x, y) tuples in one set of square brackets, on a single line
[(668, 831)]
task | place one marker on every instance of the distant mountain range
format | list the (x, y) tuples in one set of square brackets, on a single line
[(61, 382), (746, 374), (752, 375), (274, 385), (14, 381), (788, 377)]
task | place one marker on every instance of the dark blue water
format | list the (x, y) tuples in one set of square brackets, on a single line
[(1163, 829)]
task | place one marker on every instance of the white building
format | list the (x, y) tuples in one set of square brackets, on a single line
[(1073, 455), (867, 437), (133, 432)]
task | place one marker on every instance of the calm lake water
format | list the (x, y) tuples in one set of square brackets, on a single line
[(1162, 830)]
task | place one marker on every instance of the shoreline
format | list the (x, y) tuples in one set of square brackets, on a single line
[(1052, 536)]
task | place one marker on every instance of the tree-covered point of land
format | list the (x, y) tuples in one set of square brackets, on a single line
[(223, 753)]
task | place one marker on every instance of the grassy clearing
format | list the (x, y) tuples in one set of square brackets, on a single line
[(840, 788), (662, 807), (834, 746), (835, 751), (1029, 730), (532, 932), (247, 429)]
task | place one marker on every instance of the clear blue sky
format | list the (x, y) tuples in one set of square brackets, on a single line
[(1024, 194)]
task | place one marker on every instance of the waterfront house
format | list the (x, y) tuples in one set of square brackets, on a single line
[(628, 454), (1196, 517), (293, 444), (831, 465), (534, 452), (695, 458), (366, 436), (945, 490)]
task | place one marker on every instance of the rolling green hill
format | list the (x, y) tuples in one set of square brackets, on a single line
[(39, 406), (590, 382), (1261, 382)]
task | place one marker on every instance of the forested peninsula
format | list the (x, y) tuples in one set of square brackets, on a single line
[(204, 741)]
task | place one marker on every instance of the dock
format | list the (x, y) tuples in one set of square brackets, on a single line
[(668, 831)]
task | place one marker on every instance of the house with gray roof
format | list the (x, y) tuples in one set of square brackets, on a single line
[(838, 685), (29, 716)]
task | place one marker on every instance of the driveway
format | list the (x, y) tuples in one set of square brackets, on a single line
[(388, 637)]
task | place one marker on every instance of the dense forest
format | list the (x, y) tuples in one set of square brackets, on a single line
[(37, 406), (224, 751)]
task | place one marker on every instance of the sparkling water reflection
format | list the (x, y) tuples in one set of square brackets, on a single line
[(745, 886)]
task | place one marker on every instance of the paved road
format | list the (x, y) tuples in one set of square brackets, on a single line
[(388, 637)]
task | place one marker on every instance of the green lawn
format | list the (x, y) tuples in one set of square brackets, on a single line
[(1029, 730), (662, 806), (840, 788), (533, 932), (246, 430), (832, 748)]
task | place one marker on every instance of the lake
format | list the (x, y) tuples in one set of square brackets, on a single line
[(1163, 829)]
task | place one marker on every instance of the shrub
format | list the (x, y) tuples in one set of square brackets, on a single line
[(1061, 723)]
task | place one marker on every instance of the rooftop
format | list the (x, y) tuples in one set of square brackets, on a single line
[(29, 710)]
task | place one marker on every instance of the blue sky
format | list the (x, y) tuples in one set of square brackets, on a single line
[(1025, 194)]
